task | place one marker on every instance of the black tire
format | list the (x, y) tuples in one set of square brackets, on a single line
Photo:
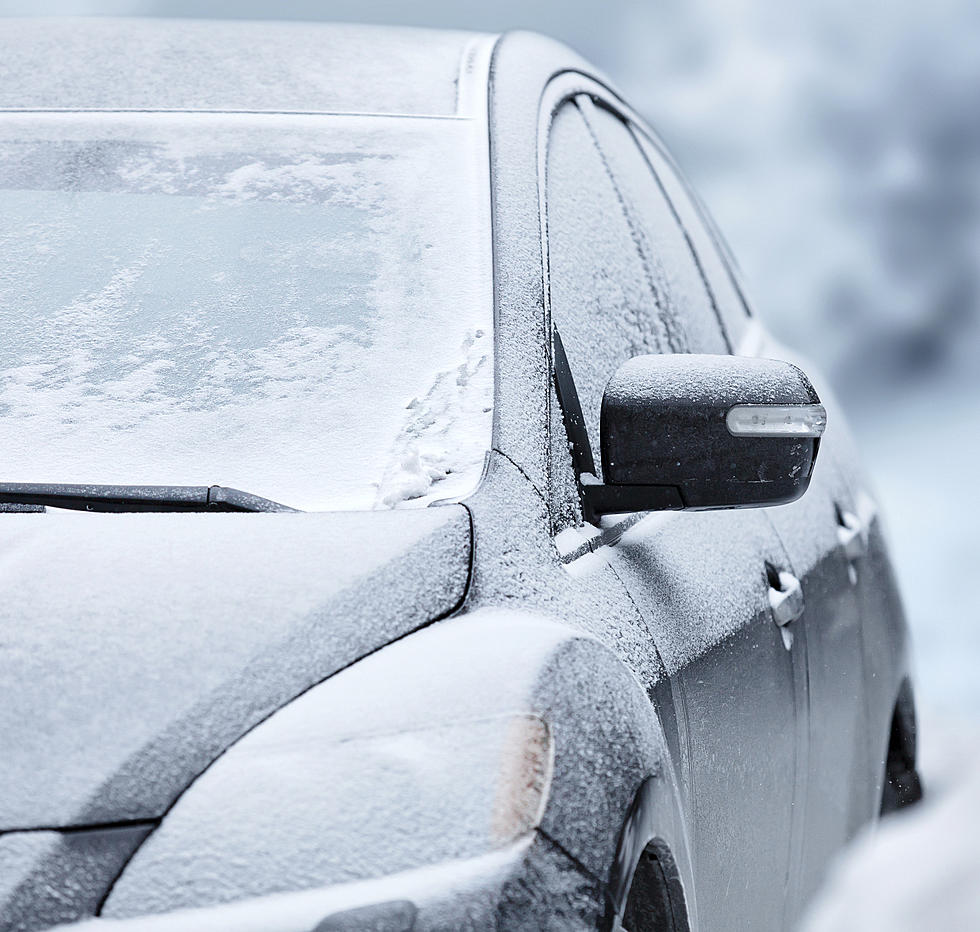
[(902, 786), (648, 907)]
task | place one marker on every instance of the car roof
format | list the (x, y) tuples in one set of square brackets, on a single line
[(155, 64)]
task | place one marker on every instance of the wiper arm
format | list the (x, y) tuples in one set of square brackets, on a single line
[(121, 498)]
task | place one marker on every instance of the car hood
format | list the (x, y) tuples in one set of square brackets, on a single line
[(134, 649)]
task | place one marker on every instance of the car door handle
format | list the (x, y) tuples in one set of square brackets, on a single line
[(786, 599), (852, 534)]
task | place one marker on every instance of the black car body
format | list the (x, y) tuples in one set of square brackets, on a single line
[(488, 713)]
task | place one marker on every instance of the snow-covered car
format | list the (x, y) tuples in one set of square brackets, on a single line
[(268, 291)]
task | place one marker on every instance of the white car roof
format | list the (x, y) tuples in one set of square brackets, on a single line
[(153, 64)]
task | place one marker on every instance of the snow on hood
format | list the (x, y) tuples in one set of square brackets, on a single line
[(134, 649)]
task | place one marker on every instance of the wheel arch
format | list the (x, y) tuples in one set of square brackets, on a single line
[(652, 869)]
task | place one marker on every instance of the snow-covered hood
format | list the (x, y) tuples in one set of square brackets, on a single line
[(134, 649)]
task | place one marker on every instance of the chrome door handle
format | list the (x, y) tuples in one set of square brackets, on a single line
[(787, 600), (852, 534)]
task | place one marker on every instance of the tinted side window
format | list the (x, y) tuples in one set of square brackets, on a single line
[(623, 278), (601, 296), (681, 296), (717, 271)]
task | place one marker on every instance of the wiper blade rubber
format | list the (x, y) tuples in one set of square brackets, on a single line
[(125, 498)]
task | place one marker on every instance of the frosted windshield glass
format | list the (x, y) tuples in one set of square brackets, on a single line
[(297, 306)]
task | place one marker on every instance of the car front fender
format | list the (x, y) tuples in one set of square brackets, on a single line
[(518, 707)]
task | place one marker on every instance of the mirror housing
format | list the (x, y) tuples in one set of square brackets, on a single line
[(695, 432)]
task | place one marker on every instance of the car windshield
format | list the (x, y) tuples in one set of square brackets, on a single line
[(295, 305)]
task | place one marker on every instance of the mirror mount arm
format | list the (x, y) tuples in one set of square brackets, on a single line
[(583, 461), (595, 498), (571, 409), (598, 500)]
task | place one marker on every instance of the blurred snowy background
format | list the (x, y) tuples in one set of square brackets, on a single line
[(837, 142)]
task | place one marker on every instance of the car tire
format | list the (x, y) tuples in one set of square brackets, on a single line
[(648, 906), (901, 786)]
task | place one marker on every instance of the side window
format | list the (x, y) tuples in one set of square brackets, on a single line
[(682, 297), (717, 269), (601, 297), (622, 276)]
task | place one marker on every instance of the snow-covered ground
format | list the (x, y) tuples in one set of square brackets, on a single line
[(918, 872)]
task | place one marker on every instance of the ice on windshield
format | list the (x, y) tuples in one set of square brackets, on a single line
[(298, 306)]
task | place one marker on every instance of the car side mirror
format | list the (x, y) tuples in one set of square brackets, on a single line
[(689, 431)]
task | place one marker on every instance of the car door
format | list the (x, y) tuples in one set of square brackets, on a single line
[(818, 531), (624, 281), (825, 537)]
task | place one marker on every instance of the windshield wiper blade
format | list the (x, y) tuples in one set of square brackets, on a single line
[(124, 498)]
